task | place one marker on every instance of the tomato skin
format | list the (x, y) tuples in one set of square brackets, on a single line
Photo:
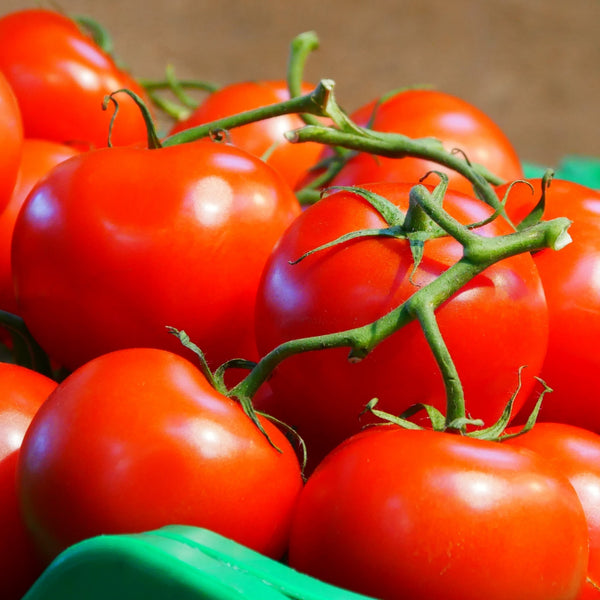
[(572, 290), (431, 113), (22, 392), (11, 134), (575, 452), (116, 244), (291, 160), (60, 78), (416, 515), (137, 439), (492, 327), (39, 156)]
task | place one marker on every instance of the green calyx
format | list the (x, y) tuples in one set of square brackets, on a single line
[(466, 426)]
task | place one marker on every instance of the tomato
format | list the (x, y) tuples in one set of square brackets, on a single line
[(430, 113), (574, 451), (117, 243), (572, 289), (137, 439), (60, 77), (11, 134), (492, 327), (39, 156), (291, 160), (394, 513), (21, 394)]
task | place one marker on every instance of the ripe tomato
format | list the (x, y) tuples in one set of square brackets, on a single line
[(11, 134), (60, 77), (431, 113), (394, 513), (39, 156), (117, 243), (291, 160), (137, 439), (572, 289), (493, 326), (575, 452), (21, 394)]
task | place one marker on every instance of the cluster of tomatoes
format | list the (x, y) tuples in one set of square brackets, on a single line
[(111, 241)]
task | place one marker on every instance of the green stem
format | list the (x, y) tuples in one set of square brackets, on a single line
[(455, 399), (362, 340), (311, 192), (153, 140), (97, 32), (204, 86), (185, 104), (301, 47), (317, 102), (172, 109), (395, 145)]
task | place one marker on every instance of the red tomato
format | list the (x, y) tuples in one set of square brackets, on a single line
[(291, 160), (39, 156), (137, 439), (21, 394), (60, 77), (418, 515), (572, 286), (431, 113), (118, 243), (493, 326), (11, 134), (576, 453)]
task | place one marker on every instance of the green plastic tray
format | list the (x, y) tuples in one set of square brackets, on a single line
[(174, 562), (580, 169)]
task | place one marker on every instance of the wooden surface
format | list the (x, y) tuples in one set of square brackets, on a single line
[(532, 65)]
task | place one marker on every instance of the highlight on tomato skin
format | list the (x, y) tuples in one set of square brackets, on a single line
[(395, 513), (117, 244), (60, 77), (262, 138), (137, 439)]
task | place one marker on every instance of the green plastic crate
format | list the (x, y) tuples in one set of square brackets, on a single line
[(174, 562), (580, 169)]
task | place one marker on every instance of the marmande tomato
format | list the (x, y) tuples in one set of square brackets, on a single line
[(137, 439), (575, 452), (492, 327), (22, 392), (116, 244), (291, 160), (60, 77), (416, 515), (11, 134), (422, 113), (572, 289), (39, 156)]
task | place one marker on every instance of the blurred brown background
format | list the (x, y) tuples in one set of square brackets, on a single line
[(532, 65)]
